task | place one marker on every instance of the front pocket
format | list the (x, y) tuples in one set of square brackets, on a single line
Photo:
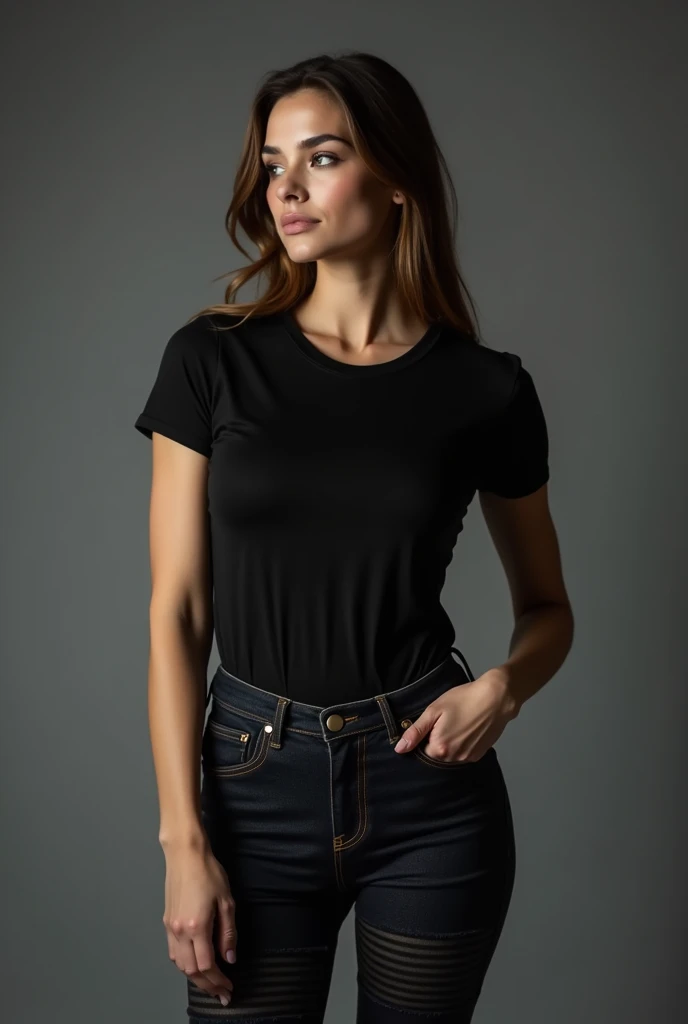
[(422, 756), (253, 761), (229, 745), (233, 749)]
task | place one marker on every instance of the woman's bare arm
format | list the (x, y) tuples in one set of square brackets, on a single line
[(526, 541), (181, 632), (197, 891)]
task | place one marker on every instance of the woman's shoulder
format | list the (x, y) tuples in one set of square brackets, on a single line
[(492, 372), (198, 338)]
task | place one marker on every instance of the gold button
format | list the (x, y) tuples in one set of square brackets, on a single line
[(335, 723), (406, 722)]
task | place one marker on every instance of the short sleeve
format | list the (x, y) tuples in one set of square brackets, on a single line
[(181, 400), (514, 458)]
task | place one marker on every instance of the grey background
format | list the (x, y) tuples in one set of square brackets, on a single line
[(564, 127)]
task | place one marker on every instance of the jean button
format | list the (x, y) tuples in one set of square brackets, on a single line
[(335, 723)]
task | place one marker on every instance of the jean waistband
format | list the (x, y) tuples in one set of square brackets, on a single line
[(384, 710)]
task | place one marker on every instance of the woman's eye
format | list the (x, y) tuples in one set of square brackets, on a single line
[(316, 156), (328, 156)]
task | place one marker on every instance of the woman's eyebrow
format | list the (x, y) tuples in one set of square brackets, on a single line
[(314, 140)]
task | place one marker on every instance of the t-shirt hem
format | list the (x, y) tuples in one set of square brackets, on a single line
[(147, 424), (520, 490)]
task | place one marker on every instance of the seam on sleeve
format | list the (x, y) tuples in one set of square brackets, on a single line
[(494, 420), (213, 394), (514, 386)]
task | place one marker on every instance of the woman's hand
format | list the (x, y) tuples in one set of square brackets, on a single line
[(464, 721), (197, 894)]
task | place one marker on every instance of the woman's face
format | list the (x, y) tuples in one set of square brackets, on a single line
[(326, 180)]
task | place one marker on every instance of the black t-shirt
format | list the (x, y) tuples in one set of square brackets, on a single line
[(337, 492)]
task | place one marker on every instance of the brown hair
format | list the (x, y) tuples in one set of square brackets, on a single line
[(391, 132)]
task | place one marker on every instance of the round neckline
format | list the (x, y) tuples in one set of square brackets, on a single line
[(321, 358)]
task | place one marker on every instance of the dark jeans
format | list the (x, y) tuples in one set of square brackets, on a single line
[(311, 811)]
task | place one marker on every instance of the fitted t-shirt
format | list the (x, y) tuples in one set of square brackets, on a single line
[(337, 491)]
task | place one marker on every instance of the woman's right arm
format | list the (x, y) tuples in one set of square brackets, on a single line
[(181, 632)]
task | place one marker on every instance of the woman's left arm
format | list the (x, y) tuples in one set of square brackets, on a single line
[(511, 474), (466, 720), (525, 539)]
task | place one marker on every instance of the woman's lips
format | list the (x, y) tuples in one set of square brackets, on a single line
[(297, 226)]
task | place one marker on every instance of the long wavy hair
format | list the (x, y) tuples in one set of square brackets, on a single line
[(392, 134)]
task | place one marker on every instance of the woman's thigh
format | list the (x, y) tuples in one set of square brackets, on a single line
[(267, 816), (284, 960), (434, 881)]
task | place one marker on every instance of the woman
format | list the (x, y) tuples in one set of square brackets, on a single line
[(314, 454)]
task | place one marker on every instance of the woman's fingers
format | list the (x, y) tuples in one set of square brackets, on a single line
[(215, 982), (223, 994), (197, 899), (181, 949), (219, 983), (192, 952), (226, 929)]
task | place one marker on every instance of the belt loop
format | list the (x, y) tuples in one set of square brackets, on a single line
[(276, 738), (384, 707)]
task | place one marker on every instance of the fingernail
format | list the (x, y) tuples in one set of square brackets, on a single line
[(231, 956), (224, 1000), (402, 744)]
